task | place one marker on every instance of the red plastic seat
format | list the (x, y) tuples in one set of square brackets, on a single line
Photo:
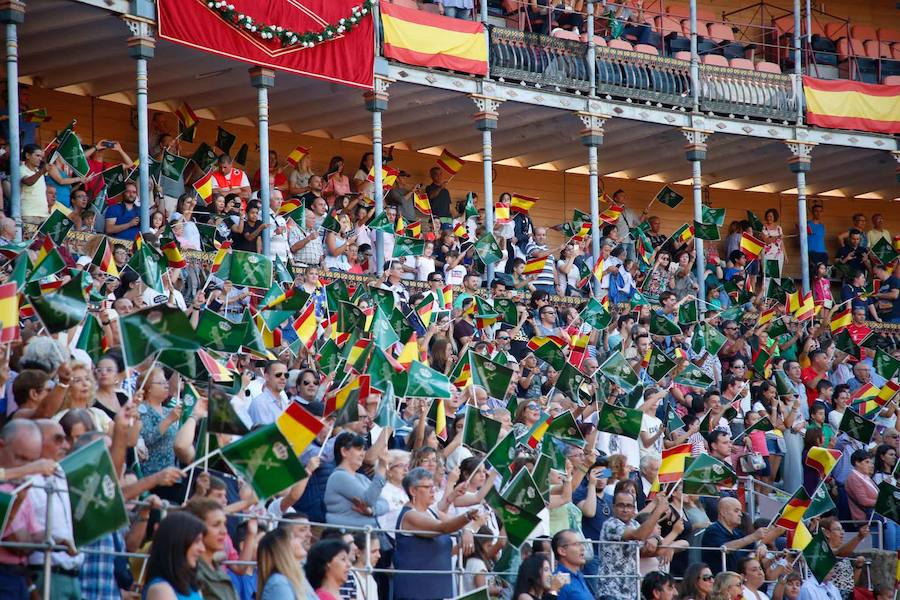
[(863, 32), (896, 51), (875, 49), (598, 41), (835, 30), (719, 32), (892, 80), (741, 63), (845, 48), (620, 45), (646, 49), (683, 55), (666, 25), (565, 35), (891, 36), (768, 67), (714, 60)]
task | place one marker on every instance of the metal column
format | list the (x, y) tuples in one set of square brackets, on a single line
[(141, 47), (695, 152), (798, 63), (800, 164), (12, 16), (592, 137), (486, 118), (376, 103), (262, 79), (592, 49), (695, 60)]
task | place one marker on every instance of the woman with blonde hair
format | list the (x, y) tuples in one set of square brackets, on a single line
[(279, 575), (82, 388), (727, 586)]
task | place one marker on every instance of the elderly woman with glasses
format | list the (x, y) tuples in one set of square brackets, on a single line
[(159, 423), (431, 548)]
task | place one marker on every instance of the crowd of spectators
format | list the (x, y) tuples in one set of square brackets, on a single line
[(605, 529)]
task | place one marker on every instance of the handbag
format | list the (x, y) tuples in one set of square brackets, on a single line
[(753, 462)]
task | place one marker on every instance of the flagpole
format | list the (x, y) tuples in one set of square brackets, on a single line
[(327, 435), (202, 460)]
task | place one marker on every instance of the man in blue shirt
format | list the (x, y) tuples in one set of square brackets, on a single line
[(123, 220), (725, 533), (568, 548), (816, 237)]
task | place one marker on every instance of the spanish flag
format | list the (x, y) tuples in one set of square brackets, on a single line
[(684, 234), (224, 251), (766, 317), (611, 215), (271, 338), (799, 538), (289, 206), (414, 230), (173, 255), (845, 104), (538, 430), (522, 204), (438, 414), (9, 313), (792, 512), (410, 351), (298, 427), (460, 231), (336, 400), (447, 296), (388, 176), (501, 213), (807, 309), (842, 320), (822, 460), (450, 163), (204, 187), (750, 246), (672, 466), (217, 371), (888, 391), (599, 267), (305, 325), (534, 266), (426, 309), (186, 115), (462, 373), (422, 203), (419, 38), (47, 246), (103, 258), (296, 155)]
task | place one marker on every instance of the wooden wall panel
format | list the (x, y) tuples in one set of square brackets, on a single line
[(559, 193)]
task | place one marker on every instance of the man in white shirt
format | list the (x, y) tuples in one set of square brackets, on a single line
[(272, 401), (278, 243), (813, 590)]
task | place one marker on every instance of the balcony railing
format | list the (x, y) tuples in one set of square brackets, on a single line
[(563, 64)]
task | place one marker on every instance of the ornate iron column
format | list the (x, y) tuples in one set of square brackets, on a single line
[(592, 137), (800, 163), (486, 119), (376, 103), (141, 47), (263, 79), (695, 152)]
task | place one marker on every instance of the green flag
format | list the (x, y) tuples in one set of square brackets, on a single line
[(771, 268), (523, 492), (204, 157), (821, 503), (638, 299), (251, 269), (706, 231), (219, 333), (383, 333), (479, 594), (564, 427), (888, 502), (382, 372), (755, 223), (570, 382), (620, 420), (224, 140), (187, 133), (617, 369), (329, 223), (184, 362), (777, 328), (407, 246), (56, 226), (470, 210), (580, 217), (673, 421), (98, 507), (425, 382), (844, 342), (386, 415), (692, 376), (857, 427), (114, 180), (783, 384), (884, 251), (329, 357), (222, 416), (518, 523), (704, 473), (189, 399), (551, 354), (707, 337), (492, 376), (91, 338), (669, 197), (595, 315), (153, 329), (240, 156), (660, 364), (503, 454), (381, 222), (173, 166), (265, 460), (146, 263), (689, 312), (480, 433), (819, 556), (715, 216), (283, 273), (70, 151), (661, 325), (488, 249), (62, 309), (350, 317), (52, 264), (885, 365)]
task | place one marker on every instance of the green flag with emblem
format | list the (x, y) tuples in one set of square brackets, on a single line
[(704, 474), (844, 342), (617, 369), (492, 376), (661, 325), (189, 399), (98, 507), (884, 251), (425, 382), (488, 249), (689, 312), (350, 318), (692, 376), (857, 427), (251, 269), (146, 263), (222, 417), (570, 381), (383, 333), (771, 268), (329, 357), (72, 153), (91, 338), (114, 180), (620, 420), (407, 246), (821, 503), (382, 372), (204, 157), (146, 332), (888, 502), (240, 157), (265, 460), (669, 197), (480, 432), (707, 337), (518, 523), (503, 454), (62, 309), (564, 427), (184, 362), (224, 140), (52, 264), (595, 315), (381, 222), (551, 354), (819, 557), (386, 415), (715, 216), (173, 166), (673, 421), (706, 231), (885, 365), (522, 491), (638, 299), (783, 384), (506, 308), (219, 333), (660, 364), (56, 226), (755, 223)]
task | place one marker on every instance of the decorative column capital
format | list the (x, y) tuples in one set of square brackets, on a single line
[(377, 98), (141, 44), (801, 155), (12, 12), (592, 134), (695, 149), (486, 114), (262, 77)]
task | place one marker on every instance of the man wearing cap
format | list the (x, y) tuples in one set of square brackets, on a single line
[(438, 195), (401, 197)]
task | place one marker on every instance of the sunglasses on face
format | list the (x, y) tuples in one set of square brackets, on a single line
[(310, 382), (280, 375)]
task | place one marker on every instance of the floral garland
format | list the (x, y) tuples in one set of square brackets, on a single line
[(286, 37)]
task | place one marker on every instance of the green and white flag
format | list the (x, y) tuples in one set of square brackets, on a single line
[(350, 318), (56, 226), (114, 180), (755, 223), (821, 503), (692, 376), (492, 376), (146, 332), (885, 365), (383, 333), (518, 523), (224, 140), (265, 460), (488, 249), (661, 325), (407, 246), (888, 502), (771, 268), (216, 332), (689, 312), (669, 197), (617, 370), (564, 427), (712, 215), (660, 364), (382, 223), (595, 315), (480, 432), (147, 263), (52, 264), (204, 157), (707, 337), (173, 166), (570, 382), (884, 251), (620, 420), (522, 491), (386, 415), (704, 474), (189, 399), (329, 358), (222, 416), (71, 152), (819, 557), (251, 269), (706, 231), (91, 338), (425, 382), (857, 427), (62, 309), (98, 507), (479, 594), (503, 454)]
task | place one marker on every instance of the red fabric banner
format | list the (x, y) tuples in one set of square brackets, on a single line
[(348, 58)]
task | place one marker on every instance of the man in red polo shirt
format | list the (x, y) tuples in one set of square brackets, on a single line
[(814, 373), (230, 180)]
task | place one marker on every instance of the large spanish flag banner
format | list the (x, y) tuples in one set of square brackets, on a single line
[(419, 38), (345, 55), (843, 104)]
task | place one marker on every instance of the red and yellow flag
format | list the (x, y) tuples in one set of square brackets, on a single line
[(388, 176), (751, 246), (298, 426), (845, 104), (223, 251), (792, 512), (450, 163), (9, 312), (522, 204), (336, 400), (501, 213), (672, 466), (807, 308), (305, 325), (296, 155), (447, 296), (422, 203), (173, 255), (538, 430), (823, 460), (534, 266), (217, 371), (186, 115), (460, 231), (841, 320), (611, 215)]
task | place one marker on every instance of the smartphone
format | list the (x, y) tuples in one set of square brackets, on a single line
[(109, 144)]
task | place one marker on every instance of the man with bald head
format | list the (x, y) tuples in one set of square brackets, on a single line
[(54, 490), (7, 231), (726, 533)]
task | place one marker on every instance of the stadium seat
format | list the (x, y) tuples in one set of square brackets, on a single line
[(892, 80), (565, 35), (896, 51), (863, 32), (683, 55), (714, 60), (670, 30), (620, 45), (598, 41), (889, 36), (646, 49), (719, 32), (855, 62), (835, 30), (767, 67), (741, 63), (847, 48), (876, 49)]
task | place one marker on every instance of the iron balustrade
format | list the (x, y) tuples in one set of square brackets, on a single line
[(545, 61)]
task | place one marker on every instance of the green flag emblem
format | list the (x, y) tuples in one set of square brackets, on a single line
[(98, 507)]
